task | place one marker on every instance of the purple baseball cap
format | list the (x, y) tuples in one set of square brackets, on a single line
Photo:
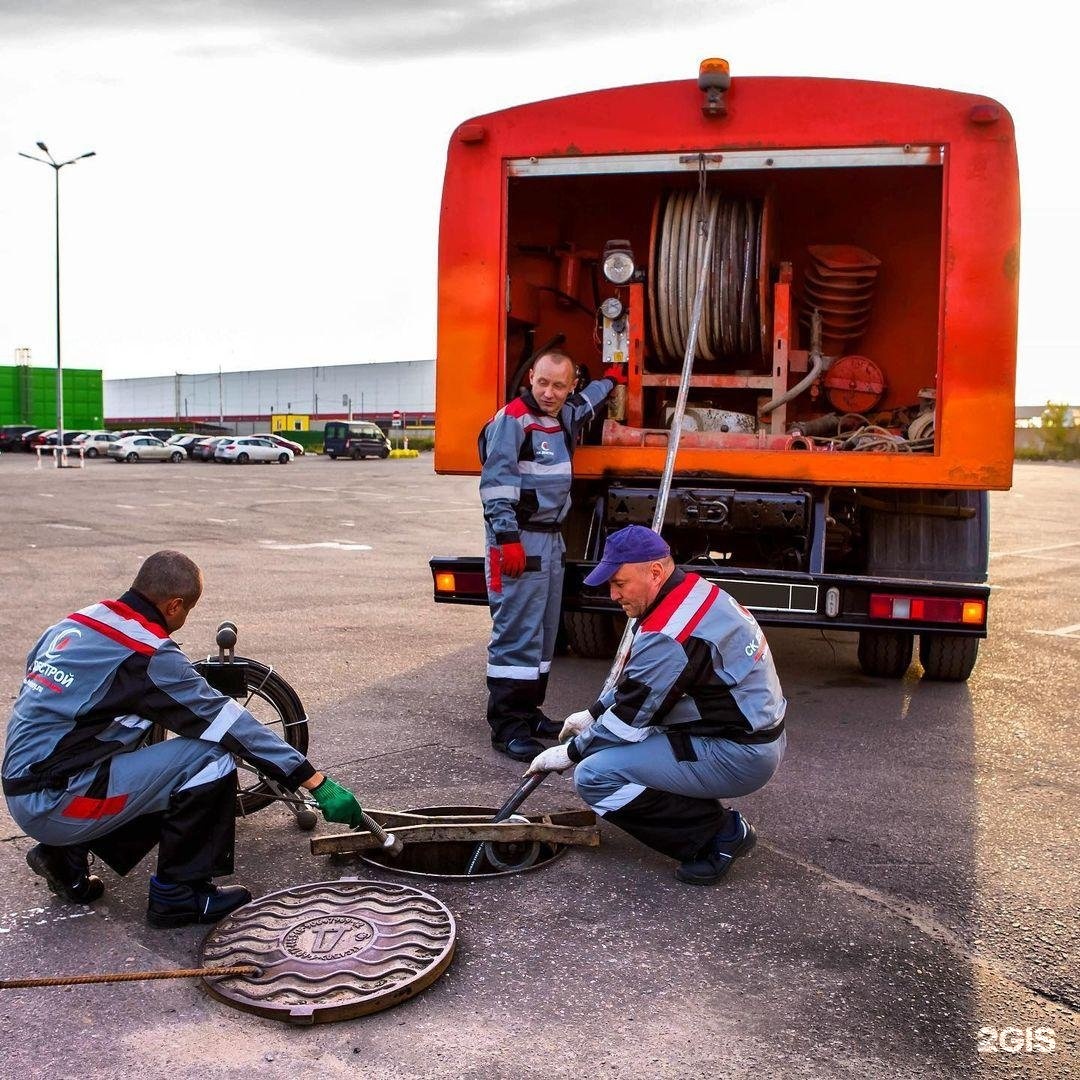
[(633, 544)]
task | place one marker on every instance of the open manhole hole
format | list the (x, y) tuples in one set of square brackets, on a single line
[(451, 858), (331, 950)]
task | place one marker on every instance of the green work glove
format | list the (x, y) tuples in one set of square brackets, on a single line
[(337, 803)]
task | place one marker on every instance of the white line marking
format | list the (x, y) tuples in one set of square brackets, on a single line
[(1061, 631), (222, 521), (125, 506), (1034, 550), (59, 525), (340, 545)]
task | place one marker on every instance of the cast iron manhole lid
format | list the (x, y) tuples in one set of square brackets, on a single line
[(331, 950)]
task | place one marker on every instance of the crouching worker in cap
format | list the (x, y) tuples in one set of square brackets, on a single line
[(78, 778), (696, 717)]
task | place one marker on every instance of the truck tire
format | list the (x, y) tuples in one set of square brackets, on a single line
[(947, 657), (592, 635), (885, 654)]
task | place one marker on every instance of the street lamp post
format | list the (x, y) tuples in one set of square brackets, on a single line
[(56, 167)]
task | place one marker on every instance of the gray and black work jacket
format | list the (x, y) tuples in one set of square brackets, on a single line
[(699, 665), (97, 680), (526, 458)]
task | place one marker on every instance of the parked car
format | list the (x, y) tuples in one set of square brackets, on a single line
[(26, 441), (252, 448), (355, 439), (273, 436), (11, 436), (39, 438), (127, 433), (162, 433), (185, 442), (144, 448), (70, 437), (204, 449), (94, 443)]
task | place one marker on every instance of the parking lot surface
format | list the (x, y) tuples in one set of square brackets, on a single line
[(912, 900)]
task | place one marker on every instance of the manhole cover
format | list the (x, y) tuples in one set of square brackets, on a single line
[(331, 950)]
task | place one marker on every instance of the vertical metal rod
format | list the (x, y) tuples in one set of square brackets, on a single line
[(59, 368), (623, 652)]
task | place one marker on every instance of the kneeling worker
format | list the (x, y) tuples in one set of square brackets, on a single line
[(78, 780), (696, 716)]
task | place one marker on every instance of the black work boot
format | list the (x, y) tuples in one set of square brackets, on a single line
[(179, 904), (520, 749), (543, 727), (712, 865), (66, 871)]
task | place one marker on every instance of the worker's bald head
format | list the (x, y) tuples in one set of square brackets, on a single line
[(166, 575)]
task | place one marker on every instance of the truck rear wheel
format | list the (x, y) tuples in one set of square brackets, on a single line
[(885, 654), (947, 657), (592, 635)]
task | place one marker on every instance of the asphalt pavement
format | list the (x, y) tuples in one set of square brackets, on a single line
[(911, 907)]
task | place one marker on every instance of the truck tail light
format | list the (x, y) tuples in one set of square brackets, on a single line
[(939, 609), (460, 583)]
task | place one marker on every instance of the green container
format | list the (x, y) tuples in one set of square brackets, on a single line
[(28, 396)]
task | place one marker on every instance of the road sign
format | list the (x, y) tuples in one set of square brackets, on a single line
[(395, 418)]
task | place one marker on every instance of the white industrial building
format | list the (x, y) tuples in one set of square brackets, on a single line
[(370, 390)]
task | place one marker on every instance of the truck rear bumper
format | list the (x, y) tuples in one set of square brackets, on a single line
[(776, 597)]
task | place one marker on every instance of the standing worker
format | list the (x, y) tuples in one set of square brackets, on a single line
[(526, 451), (78, 780), (696, 716)]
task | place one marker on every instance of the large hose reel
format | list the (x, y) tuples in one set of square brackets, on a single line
[(734, 328)]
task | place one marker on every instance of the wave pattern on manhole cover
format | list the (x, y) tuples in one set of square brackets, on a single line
[(331, 950)]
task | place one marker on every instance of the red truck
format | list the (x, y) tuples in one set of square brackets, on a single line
[(851, 399)]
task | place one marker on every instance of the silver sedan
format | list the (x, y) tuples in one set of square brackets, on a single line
[(144, 448)]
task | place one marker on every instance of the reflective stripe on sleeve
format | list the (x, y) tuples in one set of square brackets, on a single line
[(623, 730), (229, 714)]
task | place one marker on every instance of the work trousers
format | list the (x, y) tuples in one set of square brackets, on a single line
[(524, 624), (178, 794), (665, 790)]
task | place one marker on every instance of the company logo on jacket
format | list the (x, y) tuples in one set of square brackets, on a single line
[(543, 453), (61, 642)]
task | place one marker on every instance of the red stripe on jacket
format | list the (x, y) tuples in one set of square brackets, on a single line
[(698, 615), (658, 619), (126, 612), (87, 809), (116, 635), (517, 408)]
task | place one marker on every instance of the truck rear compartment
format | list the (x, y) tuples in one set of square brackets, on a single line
[(880, 317)]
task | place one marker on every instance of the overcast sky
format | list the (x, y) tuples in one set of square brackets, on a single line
[(266, 186)]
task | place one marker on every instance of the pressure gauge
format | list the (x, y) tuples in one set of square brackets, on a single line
[(611, 308)]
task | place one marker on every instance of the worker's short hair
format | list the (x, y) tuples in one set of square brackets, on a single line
[(558, 356), (167, 574)]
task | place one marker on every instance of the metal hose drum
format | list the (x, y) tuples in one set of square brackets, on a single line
[(735, 317)]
